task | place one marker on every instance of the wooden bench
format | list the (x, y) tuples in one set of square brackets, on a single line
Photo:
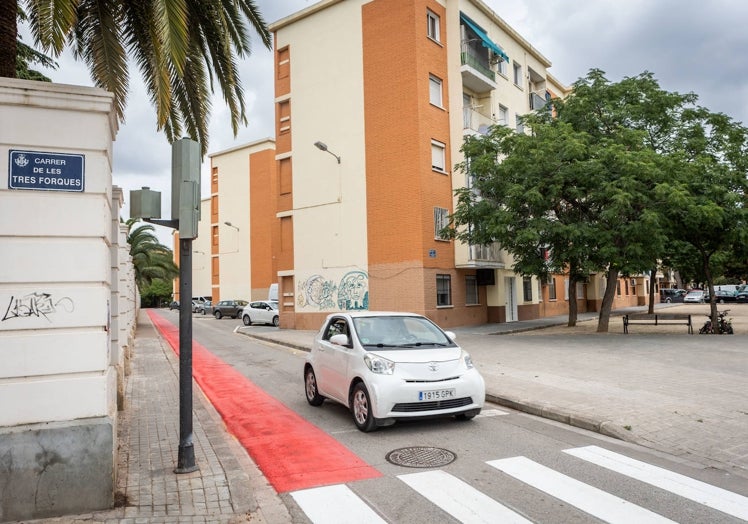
[(658, 319)]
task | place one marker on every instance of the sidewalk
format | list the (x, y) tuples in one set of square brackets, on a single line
[(228, 487)]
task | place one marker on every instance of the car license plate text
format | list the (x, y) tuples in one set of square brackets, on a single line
[(438, 394)]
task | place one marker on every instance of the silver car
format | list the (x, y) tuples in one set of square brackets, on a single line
[(261, 312)]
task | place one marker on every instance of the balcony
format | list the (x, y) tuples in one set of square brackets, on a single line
[(476, 72), (486, 256), (475, 122), (537, 101)]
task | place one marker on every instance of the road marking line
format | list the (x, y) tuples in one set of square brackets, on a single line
[(459, 499), (587, 498), (335, 505), (701, 492), (491, 413)]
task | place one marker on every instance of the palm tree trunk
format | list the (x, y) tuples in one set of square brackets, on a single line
[(8, 37)]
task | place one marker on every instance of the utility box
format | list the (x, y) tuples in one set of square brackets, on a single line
[(145, 203), (185, 186)]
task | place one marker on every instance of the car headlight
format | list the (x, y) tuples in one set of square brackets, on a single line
[(468, 360), (379, 365)]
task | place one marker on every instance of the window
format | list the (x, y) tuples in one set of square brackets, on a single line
[(443, 290), (520, 125), (503, 116), (471, 290), (517, 74), (432, 25), (435, 90), (618, 288), (527, 289), (501, 67), (441, 220), (566, 289), (438, 162), (551, 288)]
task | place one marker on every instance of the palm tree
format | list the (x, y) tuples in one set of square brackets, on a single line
[(151, 259), (178, 45)]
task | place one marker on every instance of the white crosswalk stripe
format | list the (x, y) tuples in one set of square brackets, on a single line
[(339, 504), (701, 492), (587, 498), (459, 499), (335, 505)]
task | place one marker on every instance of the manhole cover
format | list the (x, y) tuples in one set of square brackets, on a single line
[(421, 457)]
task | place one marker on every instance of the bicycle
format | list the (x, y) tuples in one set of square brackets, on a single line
[(724, 325)]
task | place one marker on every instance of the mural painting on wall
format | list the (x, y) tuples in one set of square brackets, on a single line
[(351, 293)]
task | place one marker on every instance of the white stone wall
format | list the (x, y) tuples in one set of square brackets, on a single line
[(66, 302)]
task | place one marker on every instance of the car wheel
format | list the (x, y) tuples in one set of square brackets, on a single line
[(667, 300), (247, 321), (218, 315), (470, 415), (310, 386), (362, 409), (276, 321)]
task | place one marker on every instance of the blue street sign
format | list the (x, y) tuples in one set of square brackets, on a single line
[(432, 253), (40, 171)]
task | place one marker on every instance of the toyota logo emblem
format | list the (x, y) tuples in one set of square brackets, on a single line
[(433, 366)]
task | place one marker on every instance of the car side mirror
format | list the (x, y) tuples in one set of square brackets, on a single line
[(339, 340), (450, 334)]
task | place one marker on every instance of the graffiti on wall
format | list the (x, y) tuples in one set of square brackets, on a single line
[(350, 293), (36, 305)]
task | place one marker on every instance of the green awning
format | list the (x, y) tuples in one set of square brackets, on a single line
[(487, 42)]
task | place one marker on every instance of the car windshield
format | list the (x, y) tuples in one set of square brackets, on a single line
[(397, 332)]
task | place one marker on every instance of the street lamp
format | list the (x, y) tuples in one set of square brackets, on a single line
[(231, 225), (323, 147)]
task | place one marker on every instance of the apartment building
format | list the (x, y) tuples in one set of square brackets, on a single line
[(373, 101), (233, 253)]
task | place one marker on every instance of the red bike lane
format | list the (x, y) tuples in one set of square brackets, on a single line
[(292, 453)]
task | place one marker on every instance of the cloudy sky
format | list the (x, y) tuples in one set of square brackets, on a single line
[(689, 46)]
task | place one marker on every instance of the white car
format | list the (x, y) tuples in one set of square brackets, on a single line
[(389, 366), (262, 312), (696, 295)]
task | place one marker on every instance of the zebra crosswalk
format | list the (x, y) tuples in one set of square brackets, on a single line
[(465, 503)]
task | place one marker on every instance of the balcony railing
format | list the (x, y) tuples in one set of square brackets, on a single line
[(490, 253), (475, 122), (537, 101), (476, 63)]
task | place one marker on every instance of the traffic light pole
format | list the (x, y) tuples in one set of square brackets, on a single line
[(186, 454)]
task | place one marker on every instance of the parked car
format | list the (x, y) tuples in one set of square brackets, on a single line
[(672, 295), (390, 366), (174, 304), (742, 295), (262, 312), (228, 308), (694, 296), (204, 307), (721, 296), (195, 305)]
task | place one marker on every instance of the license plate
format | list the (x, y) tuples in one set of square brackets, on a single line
[(437, 394)]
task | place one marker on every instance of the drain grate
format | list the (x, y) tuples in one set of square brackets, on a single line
[(420, 457)]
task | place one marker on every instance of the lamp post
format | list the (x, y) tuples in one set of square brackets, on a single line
[(323, 147)]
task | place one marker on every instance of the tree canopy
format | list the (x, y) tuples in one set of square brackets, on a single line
[(151, 260), (179, 46), (605, 180)]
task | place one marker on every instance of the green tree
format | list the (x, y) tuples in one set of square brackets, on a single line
[(592, 182), (178, 45), (156, 294), (705, 202), (151, 259)]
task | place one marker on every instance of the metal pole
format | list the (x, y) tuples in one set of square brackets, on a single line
[(186, 456)]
